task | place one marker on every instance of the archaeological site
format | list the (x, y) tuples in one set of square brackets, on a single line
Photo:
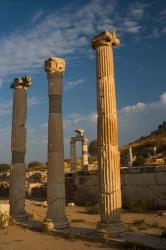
[(72, 180)]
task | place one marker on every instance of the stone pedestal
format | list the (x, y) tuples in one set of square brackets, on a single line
[(56, 216), (73, 162), (107, 137), (18, 147)]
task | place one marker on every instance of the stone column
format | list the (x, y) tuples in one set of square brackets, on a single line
[(56, 216), (107, 137), (73, 156), (130, 157), (18, 147), (85, 152)]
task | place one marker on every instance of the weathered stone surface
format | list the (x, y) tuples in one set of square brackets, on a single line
[(55, 86), (82, 138), (18, 146), (55, 104), (18, 157), (143, 195), (54, 64), (17, 189), (107, 134), (18, 143), (56, 215), (73, 156), (142, 179)]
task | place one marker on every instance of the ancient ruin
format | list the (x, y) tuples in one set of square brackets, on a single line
[(18, 147), (56, 217), (107, 136), (130, 157), (79, 137)]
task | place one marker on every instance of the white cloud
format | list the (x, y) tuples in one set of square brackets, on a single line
[(44, 125), (137, 10), (35, 101), (73, 84), (134, 121), (134, 108), (131, 26), (140, 119), (163, 98), (5, 107), (62, 33), (37, 15)]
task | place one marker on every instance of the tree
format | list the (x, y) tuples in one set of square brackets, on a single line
[(92, 149), (35, 165), (4, 167)]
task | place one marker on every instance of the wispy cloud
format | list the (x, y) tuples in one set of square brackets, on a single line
[(137, 10), (63, 33), (131, 26), (6, 106), (37, 15), (73, 84), (141, 118), (36, 101), (134, 121)]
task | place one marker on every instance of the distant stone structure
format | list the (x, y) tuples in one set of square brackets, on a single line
[(130, 157), (107, 137), (80, 136), (18, 147), (56, 216)]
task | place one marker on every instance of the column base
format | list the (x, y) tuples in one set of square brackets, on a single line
[(19, 216), (110, 230), (53, 224)]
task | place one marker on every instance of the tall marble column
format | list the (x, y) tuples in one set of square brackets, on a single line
[(107, 137), (73, 156), (85, 152), (56, 216), (18, 147)]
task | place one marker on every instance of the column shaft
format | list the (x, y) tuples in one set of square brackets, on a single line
[(85, 152), (56, 217), (107, 137), (73, 156), (18, 147)]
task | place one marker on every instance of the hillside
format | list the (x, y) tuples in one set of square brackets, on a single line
[(150, 149)]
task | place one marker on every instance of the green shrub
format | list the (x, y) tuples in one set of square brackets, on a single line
[(4, 167), (36, 165)]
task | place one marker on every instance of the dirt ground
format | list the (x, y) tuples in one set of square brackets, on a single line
[(18, 238), (150, 223)]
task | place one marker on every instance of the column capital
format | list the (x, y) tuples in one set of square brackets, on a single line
[(54, 64), (21, 82), (105, 38)]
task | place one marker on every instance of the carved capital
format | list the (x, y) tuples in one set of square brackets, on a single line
[(22, 82), (105, 38), (54, 64)]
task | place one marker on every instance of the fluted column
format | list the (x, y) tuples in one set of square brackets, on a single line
[(107, 137), (56, 216), (18, 147), (73, 156), (85, 152)]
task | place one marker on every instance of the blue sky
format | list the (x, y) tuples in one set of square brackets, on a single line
[(32, 31)]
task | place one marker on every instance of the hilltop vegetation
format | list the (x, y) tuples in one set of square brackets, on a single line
[(148, 149)]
